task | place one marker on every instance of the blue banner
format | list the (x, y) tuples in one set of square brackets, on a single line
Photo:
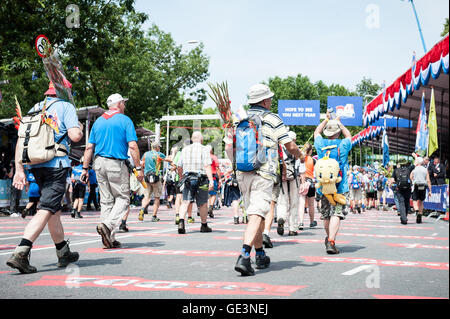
[(299, 112), (391, 121), (438, 200), (348, 108)]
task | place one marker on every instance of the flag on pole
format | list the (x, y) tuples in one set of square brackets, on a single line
[(422, 129), (432, 127), (385, 146)]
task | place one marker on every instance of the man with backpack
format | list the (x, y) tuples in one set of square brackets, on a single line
[(336, 149), (152, 162), (50, 174), (356, 189), (381, 193), (403, 189), (371, 191), (254, 153), (288, 199)]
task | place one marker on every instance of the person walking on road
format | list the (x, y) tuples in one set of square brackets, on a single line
[(51, 178), (256, 186), (421, 182), (195, 167), (152, 161), (402, 177), (78, 190), (111, 136), (339, 150)]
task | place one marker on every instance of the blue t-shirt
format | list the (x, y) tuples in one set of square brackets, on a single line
[(76, 172), (151, 161), (92, 177), (111, 136), (33, 189), (339, 153), (64, 116)]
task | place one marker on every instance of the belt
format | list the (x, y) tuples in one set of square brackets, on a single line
[(113, 158)]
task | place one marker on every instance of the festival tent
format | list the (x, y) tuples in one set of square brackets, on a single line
[(403, 99)]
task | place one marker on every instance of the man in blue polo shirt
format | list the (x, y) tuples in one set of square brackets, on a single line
[(339, 150), (111, 136)]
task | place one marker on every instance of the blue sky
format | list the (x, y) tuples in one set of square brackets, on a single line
[(249, 41)]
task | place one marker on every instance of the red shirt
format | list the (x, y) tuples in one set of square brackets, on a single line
[(214, 164)]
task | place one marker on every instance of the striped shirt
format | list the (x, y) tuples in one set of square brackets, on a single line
[(194, 158), (274, 132)]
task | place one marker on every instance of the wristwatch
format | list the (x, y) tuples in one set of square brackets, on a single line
[(138, 168)]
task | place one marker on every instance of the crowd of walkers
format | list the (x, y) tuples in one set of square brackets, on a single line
[(282, 190)]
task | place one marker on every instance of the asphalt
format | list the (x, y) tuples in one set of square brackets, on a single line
[(379, 259)]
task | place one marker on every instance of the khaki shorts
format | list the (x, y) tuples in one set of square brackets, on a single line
[(356, 194), (327, 210), (256, 193), (276, 192), (155, 189)]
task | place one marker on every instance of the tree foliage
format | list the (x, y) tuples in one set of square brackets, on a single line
[(110, 50)]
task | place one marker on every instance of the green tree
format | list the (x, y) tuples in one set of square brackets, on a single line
[(445, 31)]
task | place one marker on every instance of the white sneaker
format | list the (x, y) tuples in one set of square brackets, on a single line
[(14, 215)]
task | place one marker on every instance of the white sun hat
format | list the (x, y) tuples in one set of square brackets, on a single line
[(258, 93), (116, 97)]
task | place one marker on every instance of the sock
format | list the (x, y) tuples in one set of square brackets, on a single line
[(25, 242), (60, 245), (246, 249), (260, 251), (266, 232)]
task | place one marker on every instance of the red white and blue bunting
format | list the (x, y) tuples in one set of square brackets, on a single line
[(431, 64), (367, 134)]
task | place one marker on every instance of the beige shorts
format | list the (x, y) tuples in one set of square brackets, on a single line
[(276, 192), (155, 189), (256, 193)]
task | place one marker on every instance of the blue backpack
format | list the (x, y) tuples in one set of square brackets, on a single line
[(356, 184), (250, 153)]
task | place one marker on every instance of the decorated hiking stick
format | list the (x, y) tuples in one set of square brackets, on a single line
[(54, 69), (17, 119), (221, 98)]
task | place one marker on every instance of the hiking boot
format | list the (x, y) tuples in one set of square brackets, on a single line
[(358, 209), (262, 262), (301, 226), (65, 256), (191, 220), (313, 224), (117, 244), (331, 248), (236, 220), (72, 214), (419, 219), (78, 215), (292, 233), (123, 228), (280, 228), (25, 212), (106, 235), (141, 215), (155, 219), (267, 242), (20, 260), (205, 229), (177, 219), (244, 267), (181, 229)]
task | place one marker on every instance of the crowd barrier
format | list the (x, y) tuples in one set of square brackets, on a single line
[(438, 201)]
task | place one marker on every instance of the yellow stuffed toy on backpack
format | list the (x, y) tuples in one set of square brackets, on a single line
[(326, 171)]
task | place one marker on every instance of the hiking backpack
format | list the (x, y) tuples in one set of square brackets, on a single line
[(356, 184), (380, 184), (36, 139), (250, 154), (402, 174)]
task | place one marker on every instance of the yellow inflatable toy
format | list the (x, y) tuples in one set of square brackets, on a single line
[(327, 173)]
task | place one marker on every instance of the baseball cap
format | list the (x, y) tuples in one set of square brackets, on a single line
[(258, 93), (116, 97)]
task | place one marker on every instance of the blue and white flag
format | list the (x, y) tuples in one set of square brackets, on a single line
[(422, 129), (385, 146)]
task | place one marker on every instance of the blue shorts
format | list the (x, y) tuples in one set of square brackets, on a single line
[(216, 188)]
